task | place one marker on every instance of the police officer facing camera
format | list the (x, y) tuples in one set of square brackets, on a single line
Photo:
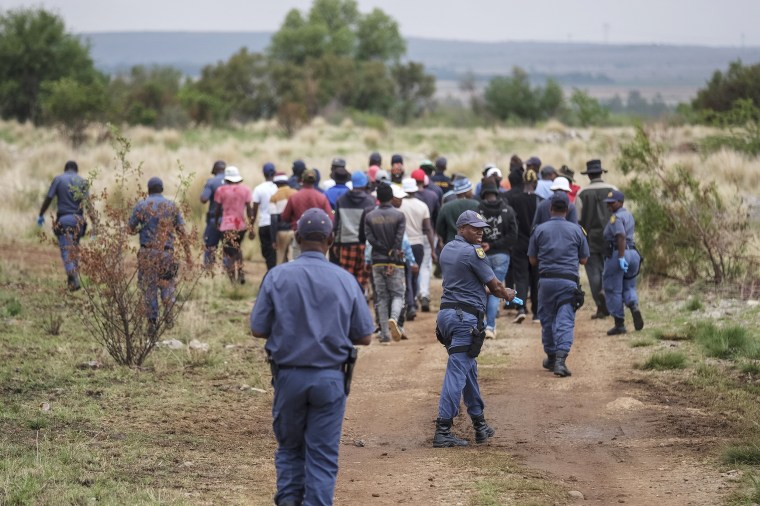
[(310, 357), (557, 246), (621, 265), (460, 326)]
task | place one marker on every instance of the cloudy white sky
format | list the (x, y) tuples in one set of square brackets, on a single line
[(701, 22)]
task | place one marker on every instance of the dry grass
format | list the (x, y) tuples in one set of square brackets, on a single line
[(30, 157)]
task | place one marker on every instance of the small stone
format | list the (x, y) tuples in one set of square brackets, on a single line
[(92, 364), (359, 443), (44, 406), (375, 494), (259, 390), (575, 494), (230, 346), (172, 344), (197, 345)]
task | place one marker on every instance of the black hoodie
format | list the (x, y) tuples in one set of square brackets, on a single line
[(502, 235)]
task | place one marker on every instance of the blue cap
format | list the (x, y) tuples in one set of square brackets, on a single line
[(298, 167), (155, 185), (462, 185), (314, 224), (359, 179), (533, 160), (397, 159), (269, 169), (560, 200), (615, 196), (473, 219)]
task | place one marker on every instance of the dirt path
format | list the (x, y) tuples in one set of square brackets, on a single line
[(600, 432)]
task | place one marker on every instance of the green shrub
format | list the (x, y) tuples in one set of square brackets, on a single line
[(727, 342), (694, 304), (641, 342), (746, 454), (664, 360), (12, 307), (750, 368)]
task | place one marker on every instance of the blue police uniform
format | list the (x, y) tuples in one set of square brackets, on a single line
[(559, 245), (620, 287), (309, 350), (70, 189), (466, 270), (156, 218), (211, 235)]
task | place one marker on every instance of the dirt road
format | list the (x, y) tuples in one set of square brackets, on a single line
[(601, 432)]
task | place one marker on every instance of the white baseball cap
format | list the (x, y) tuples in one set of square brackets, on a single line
[(560, 183)]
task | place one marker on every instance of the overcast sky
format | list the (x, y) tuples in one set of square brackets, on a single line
[(701, 22)]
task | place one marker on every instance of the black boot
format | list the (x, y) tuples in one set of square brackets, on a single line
[(443, 437), (601, 310), (72, 280), (560, 369), (549, 362), (482, 430), (638, 320), (619, 327)]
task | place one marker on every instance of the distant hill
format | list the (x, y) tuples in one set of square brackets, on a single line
[(593, 66)]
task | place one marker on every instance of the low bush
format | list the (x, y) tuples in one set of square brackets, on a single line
[(664, 360)]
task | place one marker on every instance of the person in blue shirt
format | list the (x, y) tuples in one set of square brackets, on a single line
[(460, 327), (621, 265), (307, 353), (157, 219), (557, 247), (341, 176), (211, 235), (71, 192)]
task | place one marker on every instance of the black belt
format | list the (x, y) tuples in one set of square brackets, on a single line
[(329, 368), (558, 275), (166, 248), (464, 307)]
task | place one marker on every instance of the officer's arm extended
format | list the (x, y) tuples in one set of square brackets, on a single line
[(499, 290)]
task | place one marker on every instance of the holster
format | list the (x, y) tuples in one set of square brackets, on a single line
[(272, 367), (478, 334), (348, 369), (577, 300)]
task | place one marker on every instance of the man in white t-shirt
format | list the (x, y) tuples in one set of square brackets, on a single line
[(419, 230), (261, 195)]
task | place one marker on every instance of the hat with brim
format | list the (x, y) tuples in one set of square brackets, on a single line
[(409, 185), (232, 174), (567, 172), (473, 219), (615, 196), (398, 192), (593, 167), (462, 185)]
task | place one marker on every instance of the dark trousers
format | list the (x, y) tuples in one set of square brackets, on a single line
[(594, 268), (526, 278), (267, 251), (412, 283)]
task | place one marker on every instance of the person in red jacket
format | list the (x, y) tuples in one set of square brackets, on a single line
[(306, 198)]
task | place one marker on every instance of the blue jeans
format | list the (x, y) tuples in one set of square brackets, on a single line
[(500, 266), (461, 378), (69, 229), (556, 313), (307, 414), (619, 289)]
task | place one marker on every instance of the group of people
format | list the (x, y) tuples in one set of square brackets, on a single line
[(525, 235)]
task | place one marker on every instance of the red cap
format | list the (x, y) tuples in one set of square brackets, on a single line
[(419, 175)]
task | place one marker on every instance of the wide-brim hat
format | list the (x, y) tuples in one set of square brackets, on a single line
[(232, 174), (593, 167)]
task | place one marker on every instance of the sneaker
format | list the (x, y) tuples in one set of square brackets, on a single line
[(490, 334), (411, 315), (638, 320), (385, 340), (395, 329), (535, 319), (425, 303), (519, 318), (403, 334)]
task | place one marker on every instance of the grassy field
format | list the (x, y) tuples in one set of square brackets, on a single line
[(75, 428)]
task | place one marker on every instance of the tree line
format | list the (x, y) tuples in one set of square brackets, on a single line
[(331, 58)]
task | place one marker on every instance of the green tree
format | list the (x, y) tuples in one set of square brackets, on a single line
[(723, 90), (586, 110), (36, 49), (379, 38), (72, 105), (414, 89), (148, 96), (512, 97), (552, 101)]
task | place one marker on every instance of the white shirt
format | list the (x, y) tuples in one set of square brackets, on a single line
[(415, 211), (261, 195)]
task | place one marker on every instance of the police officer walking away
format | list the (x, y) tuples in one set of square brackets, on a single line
[(557, 247), (460, 327), (593, 216), (312, 359), (157, 219), (621, 265), (71, 191), (212, 235)]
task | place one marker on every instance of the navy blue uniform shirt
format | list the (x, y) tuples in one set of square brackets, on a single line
[(465, 271), (157, 218), (207, 194), (311, 310), (558, 245), (70, 188), (621, 222)]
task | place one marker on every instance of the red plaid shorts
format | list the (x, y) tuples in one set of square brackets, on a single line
[(351, 258)]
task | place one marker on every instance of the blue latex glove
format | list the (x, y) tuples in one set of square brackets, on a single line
[(623, 264), (518, 301), (40, 220)]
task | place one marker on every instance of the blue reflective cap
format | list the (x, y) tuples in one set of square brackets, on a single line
[(314, 222), (615, 196), (471, 218)]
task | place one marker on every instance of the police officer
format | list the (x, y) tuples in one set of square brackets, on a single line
[(71, 191), (557, 246), (460, 327), (157, 219), (621, 265), (308, 353), (211, 234)]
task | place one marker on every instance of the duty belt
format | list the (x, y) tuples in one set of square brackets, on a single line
[(465, 308), (338, 367), (558, 275)]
